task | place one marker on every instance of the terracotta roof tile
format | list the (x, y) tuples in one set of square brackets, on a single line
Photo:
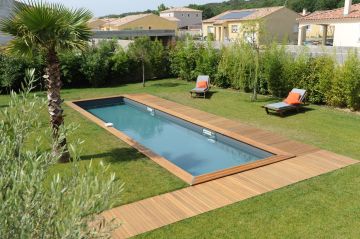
[(333, 14)]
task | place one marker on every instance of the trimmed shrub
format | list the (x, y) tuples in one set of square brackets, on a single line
[(351, 78), (12, 71), (319, 78), (183, 59), (275, 62), (237, 67), (208, 60), (96, 63), (71, 74)]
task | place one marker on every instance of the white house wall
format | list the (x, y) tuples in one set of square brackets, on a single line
[(188, 18), (347, 34)]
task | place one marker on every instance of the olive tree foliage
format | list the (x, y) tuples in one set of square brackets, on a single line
[(34, 204), (254, 33), (140, 51)]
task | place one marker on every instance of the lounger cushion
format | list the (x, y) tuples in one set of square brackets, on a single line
[(201, 84), (199, 90), (279, 106), (293, 98)]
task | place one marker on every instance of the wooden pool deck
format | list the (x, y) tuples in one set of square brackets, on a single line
[(155, 212)]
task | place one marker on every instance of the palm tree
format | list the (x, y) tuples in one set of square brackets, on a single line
[(48, 28)]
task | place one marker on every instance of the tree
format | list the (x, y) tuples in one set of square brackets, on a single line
[(162, 7), (48, 28), (36, 204), (254, 33), (140, 51)]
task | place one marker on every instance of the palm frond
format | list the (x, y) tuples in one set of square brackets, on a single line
[(45, 25)]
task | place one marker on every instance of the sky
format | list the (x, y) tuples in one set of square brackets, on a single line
[(106, 7)]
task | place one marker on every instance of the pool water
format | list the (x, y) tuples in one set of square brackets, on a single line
[(178, 141)]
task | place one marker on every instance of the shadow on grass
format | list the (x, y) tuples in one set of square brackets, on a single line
[(116, 155), (208, 95), (167, 84), (294, 112), (4, 106)]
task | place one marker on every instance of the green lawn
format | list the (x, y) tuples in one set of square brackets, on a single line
[(326, 206)]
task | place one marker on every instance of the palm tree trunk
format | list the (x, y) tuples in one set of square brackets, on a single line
[(143, 72), (54, 84)]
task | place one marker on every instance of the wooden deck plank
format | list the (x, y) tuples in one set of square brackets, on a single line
[(158, 211)]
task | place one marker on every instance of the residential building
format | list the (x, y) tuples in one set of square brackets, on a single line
[(5, 10), (186, 18), (346, 22), (273, 24), (133, 22)]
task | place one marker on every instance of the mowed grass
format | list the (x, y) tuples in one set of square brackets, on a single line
[(326, 206)]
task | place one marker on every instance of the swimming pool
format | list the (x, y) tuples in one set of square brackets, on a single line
[(182, 147)]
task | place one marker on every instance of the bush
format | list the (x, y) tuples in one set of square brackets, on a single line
[(276, 64), (71, 74), (237, 67), (120, 66), (337, 95), (12, 70), (351, 77), (183, 59), (318, 81), (96, 63), (34, 205), (207, 61)]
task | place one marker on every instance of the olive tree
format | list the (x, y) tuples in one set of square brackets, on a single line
[(34, 204)]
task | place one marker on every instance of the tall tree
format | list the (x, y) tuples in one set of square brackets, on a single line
[(48, 28), (162, 7), (140, 51)]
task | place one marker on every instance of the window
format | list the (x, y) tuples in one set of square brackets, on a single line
[(210, 29), (188, 15), (234, 28), (197, 15)]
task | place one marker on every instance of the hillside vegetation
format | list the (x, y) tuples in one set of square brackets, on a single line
[(213, 9)]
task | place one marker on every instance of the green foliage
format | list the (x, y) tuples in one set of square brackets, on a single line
[(207, 60), (318, 81), (12, 70), (183, 59), (337, 95), (275, 64), (96, 63), (120, 65), (62, 207), (150, 56), (237, 67), (71, 74), (42, 26), (351, 78)]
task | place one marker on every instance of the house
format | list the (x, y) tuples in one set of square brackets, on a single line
[(133, 22), (277, 23), (186, 18), (5, 10), (315, 32), (99, 23), (346, 23)]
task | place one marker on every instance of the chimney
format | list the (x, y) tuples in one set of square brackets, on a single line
[(347, 7), (304, 12)]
